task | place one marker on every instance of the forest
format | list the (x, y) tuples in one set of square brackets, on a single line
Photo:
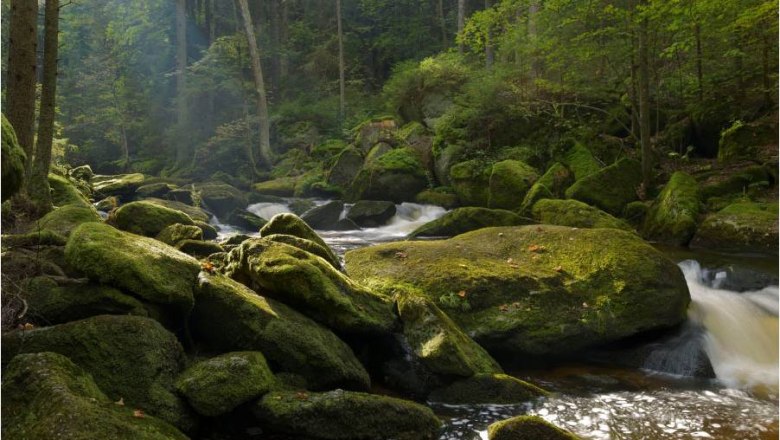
[(376, 219)]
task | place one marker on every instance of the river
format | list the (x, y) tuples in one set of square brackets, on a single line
[(733, 318)]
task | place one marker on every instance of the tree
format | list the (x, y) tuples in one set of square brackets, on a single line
[(22, 68), (644, 105), (342, 98), (461, 22), (39, 180), (266, 154), (182, 144)]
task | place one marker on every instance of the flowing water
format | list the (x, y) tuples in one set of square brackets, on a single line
[(733, 321)]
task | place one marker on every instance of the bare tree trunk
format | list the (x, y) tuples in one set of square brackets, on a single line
[(22, 67), (342, 79), (39, 180), (442, 23), (644, 106), (266, 154), (461, 22), (244, 105), (533, 10), (182, 144), (489, 52)]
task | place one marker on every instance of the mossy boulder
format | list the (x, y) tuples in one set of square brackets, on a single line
[(747, 140), (13, 161), (743, 227), (672, 218), (291, 224), (501, 185), (487, 389), (527, 428), (195, 213), (47, 396), (149, 219), (580, 161), (229, 316), (209, 232), (371, 213), (82, 172), (121, 185), (221, 198), (345, 415), (145, 267), (64, 192), (575, 214), (324, 216), (347, 166), (50, 302), (539, 289), (306, 245), (218, 385), (42, 237), (733, 181), (107, 204), (181, 195), (177, 232), (610, 188), (551, 185), (438, 342), (199, 249), (158, 189), (441, 196), (281, 187), (311, 285), (245, 220), (397, 175), (377, 151), (130, 357), (462, 220), (65, 219), (636, 212)]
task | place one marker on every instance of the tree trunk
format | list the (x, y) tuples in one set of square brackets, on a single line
[(342, 79), (533, 10), (39, 189), (266, 155), (22, 66), (489, 52), (283, 61), (442, 23), (182, 144), (461, 22), (276, 45), (644, 106)]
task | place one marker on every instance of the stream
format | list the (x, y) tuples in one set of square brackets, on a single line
[(733, 318)]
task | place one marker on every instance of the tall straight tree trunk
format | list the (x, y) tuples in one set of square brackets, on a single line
[(533, 10), (442, 23), (489, 52), (644, 106), (276, 44), (461, 22), (342, 79), (22, 67), (39, 181), (182, 144), (266, 155)]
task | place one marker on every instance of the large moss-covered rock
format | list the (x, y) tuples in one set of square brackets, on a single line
[(672, 218), (145, 267), (536, 290), (218, 385), (397, 175), (576, 214), (371, 213), (344, 415), (347, 166), (527, 428), (551, 185), (470, 181), (438, 342), (65, 219), (130, 357), (281, 187), (311, 285), (291, 224), (47, 396), (306, 245), (195, 213), (743, 227), (462, 220), (64, 192), (51, 303), (580, 161), (221, 198), (325, 216), (441, 196), (13, 161), (610, 188), (82, 172), (158, 189), (149, 219), (209, 231), (487, 389), (199, 248), (121, 185), (245, 220), (173, 234), (733, 180), (230, 316), (42, 237), (747, 140), (501, 185)]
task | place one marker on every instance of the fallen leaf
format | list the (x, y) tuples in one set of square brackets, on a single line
[(535, 248), (120, 402), (509, 260), (558, 269), (462, 294), (463, 266), (28, 326), (207, 266), (301, 395), (539, 229), (585, 305), (401, 255), (138, 414), (503, 308)]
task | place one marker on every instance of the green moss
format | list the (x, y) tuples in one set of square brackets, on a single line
[(462, 220), (397, 175), (576, 214), (82, 172), (672, 218), (509, 182), (487, 389), (130, 357), (344, 415), (527, 428), (142, 266), (45, 395), (159, 189), (636, 212), (610, 188), (290, 341), (377, 151), (371, 213), (346, 168), (107, 204), (64, 192), (551, 185), (538, 289), (221, 198), (13, 161), (65, 219), (743, 227), (218, 385), (246, 220), (281, 187), (744, 140), (209, 232), (50, 303), (443, 197), (438, 342), (149, 219), (470, 180), (311, 285), (44, 237), (580, 161), (733, 182), (195, 213), (122, 185), (177, 232), (198, 248), (306, 245), (290, 224)]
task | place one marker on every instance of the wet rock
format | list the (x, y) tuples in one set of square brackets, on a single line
[(743, 227), (209, 232), (324, 216), (371, 213), (173, 234), (487, 389), (199, 249), (121, 185), (575, 214), (527, 428), (245, 220), (149, 219), (398, 174), (159, 189), (221, 198), (461, 220), (290, 224)]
